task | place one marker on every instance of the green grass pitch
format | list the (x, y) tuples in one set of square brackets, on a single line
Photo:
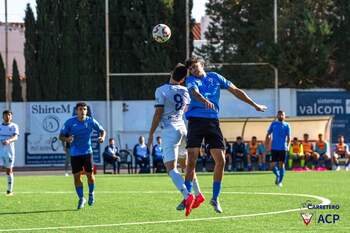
[(146, 203)]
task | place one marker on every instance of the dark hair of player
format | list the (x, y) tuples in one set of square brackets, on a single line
[(189, 62), (179, 72), (6, 112), (80, 104)]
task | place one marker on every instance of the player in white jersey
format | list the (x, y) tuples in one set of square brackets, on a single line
[(171, 101), (8, 135)]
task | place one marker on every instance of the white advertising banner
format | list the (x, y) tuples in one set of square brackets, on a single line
[(42, 142), (49, 117)]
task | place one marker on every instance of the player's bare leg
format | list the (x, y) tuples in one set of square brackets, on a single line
[(91, 183), (10, 180), (197, 191), (79, 189), (219, 158), (178, 181), (191, 167)]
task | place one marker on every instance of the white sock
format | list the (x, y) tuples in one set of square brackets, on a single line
[(10, 182), (179, 182), (196, 188)]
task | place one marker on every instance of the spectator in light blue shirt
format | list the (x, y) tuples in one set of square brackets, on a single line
[(157, 155), (141, 154)]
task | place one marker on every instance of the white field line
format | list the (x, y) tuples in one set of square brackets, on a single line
[(324, 201)]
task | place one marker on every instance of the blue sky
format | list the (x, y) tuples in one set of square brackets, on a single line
[(16, 9)]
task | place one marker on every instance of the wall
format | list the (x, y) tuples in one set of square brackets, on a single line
[(136, 118)]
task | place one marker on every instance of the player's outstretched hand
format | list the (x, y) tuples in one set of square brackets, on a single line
[(260, 108), (69, 139), (101, 139), (209, 104)]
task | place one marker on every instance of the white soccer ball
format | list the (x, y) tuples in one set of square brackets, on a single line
[(161, 33)]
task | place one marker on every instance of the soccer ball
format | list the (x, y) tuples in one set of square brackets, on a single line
[(161, 33)]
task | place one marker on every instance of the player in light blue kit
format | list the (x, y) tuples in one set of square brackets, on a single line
[(77, 131), (8, 135), (280, 131), (204, 88)]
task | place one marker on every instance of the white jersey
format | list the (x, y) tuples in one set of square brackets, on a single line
[(6, 132), (174, 98)]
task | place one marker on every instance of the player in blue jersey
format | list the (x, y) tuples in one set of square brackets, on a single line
[(204, 88), (77, 131), (280, 131)]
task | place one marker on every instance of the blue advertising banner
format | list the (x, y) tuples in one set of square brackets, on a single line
[(328, 103)]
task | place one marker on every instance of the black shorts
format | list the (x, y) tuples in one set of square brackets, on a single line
[(207, 129), (79, 162), (278, 155)]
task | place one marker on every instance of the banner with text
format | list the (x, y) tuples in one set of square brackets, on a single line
[(332, 103), (42, 143)]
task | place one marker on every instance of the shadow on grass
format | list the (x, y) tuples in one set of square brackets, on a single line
[(101, 175), (36, 212)]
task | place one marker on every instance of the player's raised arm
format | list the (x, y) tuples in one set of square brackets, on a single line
[(155, 122), (240, 94), (199, 97)]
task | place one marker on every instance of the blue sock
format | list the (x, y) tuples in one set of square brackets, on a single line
[(91, 188), (80, 191), (282, 172), (347, 163), (216, 189), (276, 171), (188, 185)]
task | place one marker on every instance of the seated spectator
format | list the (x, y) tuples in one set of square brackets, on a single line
[(204, 154), (266, 148), (141, 154), (341, 150), (254, 154), (238, 153), (321, 155), (296, 153), (262, 157), (228, 154), (308, 148), (157, 155), (111, 154)]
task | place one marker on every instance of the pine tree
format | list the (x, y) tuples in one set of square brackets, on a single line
[(2, 79), (34, 91), (49, 36), (16, 83), (178, 27), (134, 50)]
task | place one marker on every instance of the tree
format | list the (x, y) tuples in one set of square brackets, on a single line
[(2, 80), (242, 31), (31, 56), (16, 83), (339, 69), (49, 45), (134, 50), (178, 26)]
